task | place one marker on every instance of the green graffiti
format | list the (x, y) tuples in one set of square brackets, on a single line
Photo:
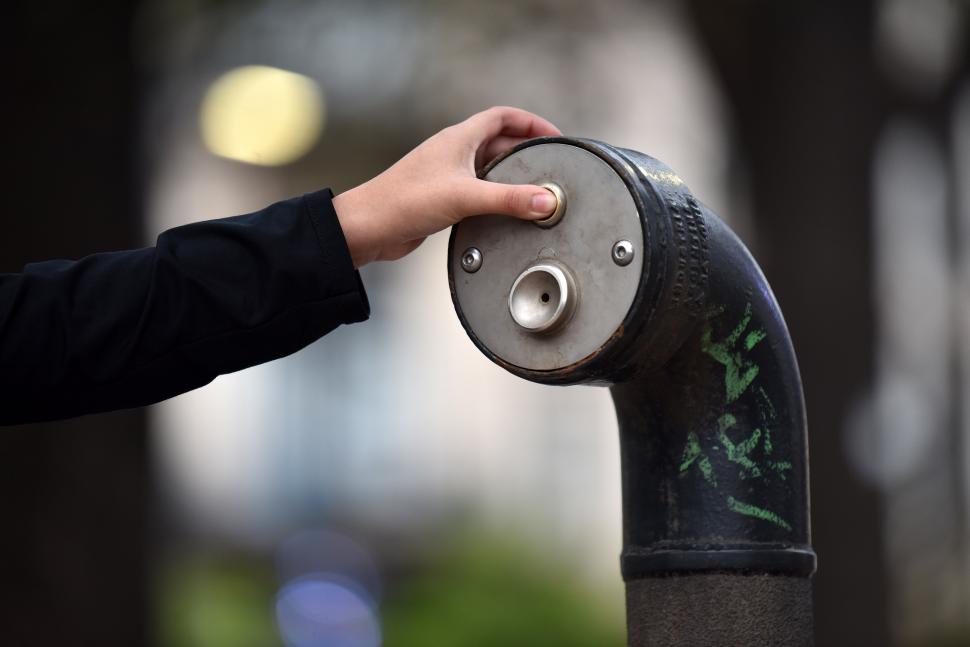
[(725, 422), (753, 338), (738, 452), (754, 511), (780, 467), (739, 373), (768, 415), (767, 411), (691, 451), (707, 470), (754, 454)]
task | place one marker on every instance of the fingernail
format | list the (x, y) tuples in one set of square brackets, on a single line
[(543, 203)]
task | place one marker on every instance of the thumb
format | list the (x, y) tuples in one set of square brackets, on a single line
[(524, 201)]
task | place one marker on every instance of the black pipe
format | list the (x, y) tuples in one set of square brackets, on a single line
[(716, 536), (715, 466)]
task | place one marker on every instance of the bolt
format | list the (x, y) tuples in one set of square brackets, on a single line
[(623, 253), (471, 260)]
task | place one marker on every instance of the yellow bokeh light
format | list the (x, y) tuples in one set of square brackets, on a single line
[(262, 115)]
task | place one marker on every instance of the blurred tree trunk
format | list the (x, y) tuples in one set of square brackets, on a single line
[(804, 96), (74, 493)]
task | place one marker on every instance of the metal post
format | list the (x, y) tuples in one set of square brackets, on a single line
[(639, 287)]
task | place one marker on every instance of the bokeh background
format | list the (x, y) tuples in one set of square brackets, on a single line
[(388, 485)]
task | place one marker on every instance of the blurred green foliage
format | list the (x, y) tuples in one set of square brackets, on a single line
[(216, 602), (475, 592), (485, 593)]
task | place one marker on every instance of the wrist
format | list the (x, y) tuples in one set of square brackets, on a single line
[(353, 216)]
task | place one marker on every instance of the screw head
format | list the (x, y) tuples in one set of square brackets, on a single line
[(623, 252), (471, 260)]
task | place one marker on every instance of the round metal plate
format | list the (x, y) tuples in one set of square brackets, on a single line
[(599, 212)]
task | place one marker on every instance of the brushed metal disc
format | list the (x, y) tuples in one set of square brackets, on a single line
[(600, 211)]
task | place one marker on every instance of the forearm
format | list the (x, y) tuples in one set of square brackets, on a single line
[(131, 328)]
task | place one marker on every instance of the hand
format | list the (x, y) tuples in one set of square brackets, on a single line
[(436, 185)]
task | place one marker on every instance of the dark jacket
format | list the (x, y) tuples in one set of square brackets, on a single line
[(126, 329)]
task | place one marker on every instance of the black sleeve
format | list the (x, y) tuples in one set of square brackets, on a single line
[(126, 329)]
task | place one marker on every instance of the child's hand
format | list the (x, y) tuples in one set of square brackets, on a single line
[(435, 186)]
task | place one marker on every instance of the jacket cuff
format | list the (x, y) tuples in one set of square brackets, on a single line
[(337, 263)]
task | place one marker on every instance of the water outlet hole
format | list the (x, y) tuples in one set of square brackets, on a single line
[(540, 298)]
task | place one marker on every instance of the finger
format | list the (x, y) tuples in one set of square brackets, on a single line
[(524, 201), (512, 122), (496, 147)]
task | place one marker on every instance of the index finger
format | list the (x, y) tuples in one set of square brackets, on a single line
[(513, 122)]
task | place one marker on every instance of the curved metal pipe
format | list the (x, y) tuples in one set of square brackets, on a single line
[(713, 437), (715, 473)]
